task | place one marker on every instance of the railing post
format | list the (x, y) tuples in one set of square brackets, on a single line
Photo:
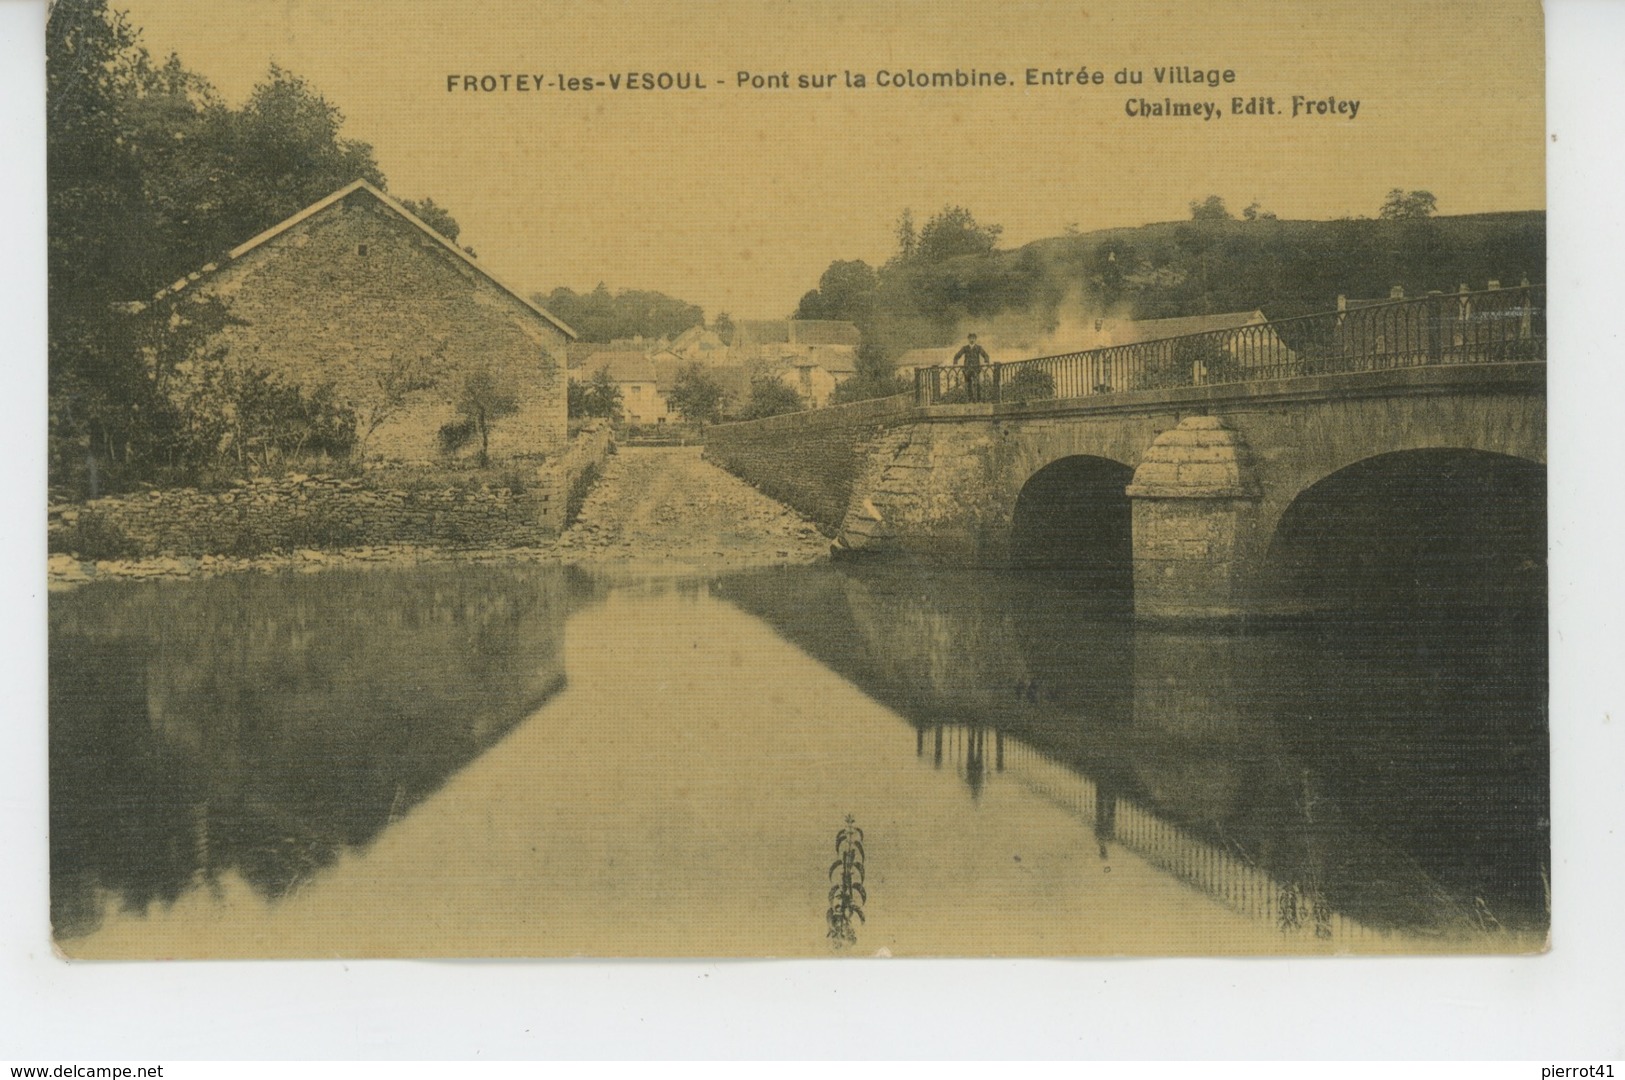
[(998, 387), (1435, 324)]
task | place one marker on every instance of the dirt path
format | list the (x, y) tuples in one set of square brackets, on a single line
[(664, 503)]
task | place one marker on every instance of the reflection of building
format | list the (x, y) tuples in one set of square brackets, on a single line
[(355, 293)]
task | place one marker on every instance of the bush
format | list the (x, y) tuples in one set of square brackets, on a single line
[(93, 536), (578, 493), (1028, 384)]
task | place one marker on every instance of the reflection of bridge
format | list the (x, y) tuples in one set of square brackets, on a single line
[(1295, 906), (1207, 474), (1268, 768)]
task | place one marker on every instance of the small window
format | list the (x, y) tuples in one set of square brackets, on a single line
[(361, 249)]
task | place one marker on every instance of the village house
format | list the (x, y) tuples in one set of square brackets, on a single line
[(642, 400), (356, 293), (701, 346), (816, 373), (811, 356)]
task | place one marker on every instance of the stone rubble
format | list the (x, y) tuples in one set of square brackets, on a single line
[(651, 507)]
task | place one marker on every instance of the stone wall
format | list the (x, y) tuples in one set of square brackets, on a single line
[(328, 513), (808, 460)]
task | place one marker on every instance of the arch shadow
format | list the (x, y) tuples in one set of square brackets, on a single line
[(1072, 517), (1445, 532)]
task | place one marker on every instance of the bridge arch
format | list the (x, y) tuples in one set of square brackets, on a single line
[(1073, 515), (1427, 530)]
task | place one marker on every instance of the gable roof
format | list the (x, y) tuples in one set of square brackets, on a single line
[(699, 336), (795, 332), (577, 353), (338, 196), (824, 332), (623, 366)]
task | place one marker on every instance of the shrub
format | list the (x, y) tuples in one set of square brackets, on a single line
[(93, 536), (1028, 384)]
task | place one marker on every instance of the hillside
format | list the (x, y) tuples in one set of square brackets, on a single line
[(1286, 267), (1027, 297)]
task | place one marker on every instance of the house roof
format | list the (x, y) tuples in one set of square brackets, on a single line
[(922, 358), (796, 332), (623, 366), (1129, 333), (666, 372), (338, 196), (698, 336), (578, 352), (835, 359), (636, 344), (824, 332)]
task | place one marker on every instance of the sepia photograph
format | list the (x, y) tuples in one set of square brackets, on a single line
[(797, 480)]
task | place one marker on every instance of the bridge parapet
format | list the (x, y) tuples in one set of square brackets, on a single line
[(1486, 327)]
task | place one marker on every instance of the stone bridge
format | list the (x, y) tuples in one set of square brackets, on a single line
[(1407, 483)]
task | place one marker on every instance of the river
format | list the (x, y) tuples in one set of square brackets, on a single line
[(490, 760)]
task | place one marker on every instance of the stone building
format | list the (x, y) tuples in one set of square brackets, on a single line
[(356, 293)]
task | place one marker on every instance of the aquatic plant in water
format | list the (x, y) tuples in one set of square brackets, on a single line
[(847, 895)]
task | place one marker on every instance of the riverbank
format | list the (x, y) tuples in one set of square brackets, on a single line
[(653, 509)]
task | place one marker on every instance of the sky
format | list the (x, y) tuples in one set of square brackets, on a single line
[(737, 198)]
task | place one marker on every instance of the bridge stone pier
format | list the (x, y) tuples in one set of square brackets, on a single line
[(1209, 500)]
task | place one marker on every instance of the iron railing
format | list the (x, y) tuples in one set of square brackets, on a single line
[(1491, 326)]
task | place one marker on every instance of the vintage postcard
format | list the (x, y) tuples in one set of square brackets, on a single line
[(797, 479)]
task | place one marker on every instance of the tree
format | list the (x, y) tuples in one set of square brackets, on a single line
[(603, 316), (151, 176), (1209, 210), (243, 171), (434, 216), (876, 376), (723, 324), (483, 400), (769, 396), (599, 396), (400, 377), (908, 239), (846, 291), (1255, 212), (696, 396), (954, 232), (1402, 205)]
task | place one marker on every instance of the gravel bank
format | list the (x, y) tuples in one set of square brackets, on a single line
[(653, 509)]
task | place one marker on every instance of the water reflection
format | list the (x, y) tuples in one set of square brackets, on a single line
[(1339, 778), (264, 725), (346, 748)]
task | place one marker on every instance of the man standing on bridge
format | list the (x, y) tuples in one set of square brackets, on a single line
[(972, 356)]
